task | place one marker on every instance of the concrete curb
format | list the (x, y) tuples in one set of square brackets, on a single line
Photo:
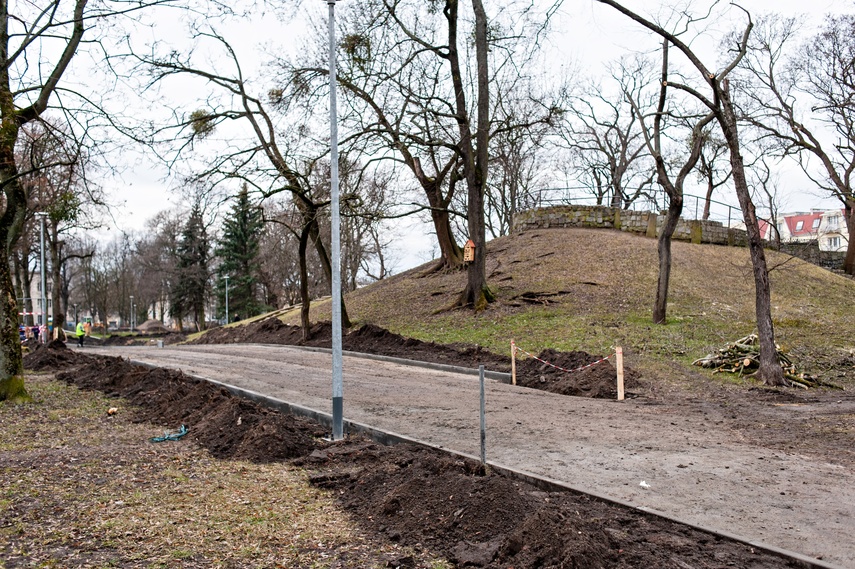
[(544, 483)]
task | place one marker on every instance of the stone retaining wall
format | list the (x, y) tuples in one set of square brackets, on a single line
[(644, 222)]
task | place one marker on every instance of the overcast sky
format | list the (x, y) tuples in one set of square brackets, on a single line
[(587, 35)]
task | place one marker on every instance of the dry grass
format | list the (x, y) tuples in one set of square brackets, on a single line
[(85, 490), (593, 289)]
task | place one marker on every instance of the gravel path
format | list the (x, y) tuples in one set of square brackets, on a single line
[(697, 471)]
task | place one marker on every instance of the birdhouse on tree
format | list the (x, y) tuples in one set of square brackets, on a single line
[(469, 252)]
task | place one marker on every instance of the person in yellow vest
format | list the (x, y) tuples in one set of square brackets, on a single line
[(81, 333)]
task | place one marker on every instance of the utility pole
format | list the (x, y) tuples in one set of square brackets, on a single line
[(227, 299), (43, 337), (337, 382)]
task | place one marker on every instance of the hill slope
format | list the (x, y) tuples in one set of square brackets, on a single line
[(590, 289)]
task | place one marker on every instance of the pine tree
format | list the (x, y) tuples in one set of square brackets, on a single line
[(238, 253), (193, 257)]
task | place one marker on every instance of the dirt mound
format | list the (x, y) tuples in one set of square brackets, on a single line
[(268, 331), (583, 380), (52, 357), (140, 339), (228, 426), (372, 339), (598, 381), (153, 327), (417, 495)]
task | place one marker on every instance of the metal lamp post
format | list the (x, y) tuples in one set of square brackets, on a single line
[(132, 313), (43, 337), (227, 298), (337, 383)]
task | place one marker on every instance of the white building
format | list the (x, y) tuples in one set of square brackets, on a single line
[(35, 293), (827, 227)]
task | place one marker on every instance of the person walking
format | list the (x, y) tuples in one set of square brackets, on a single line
[(81, 333)]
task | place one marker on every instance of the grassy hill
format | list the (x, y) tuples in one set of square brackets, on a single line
[(590, 289)]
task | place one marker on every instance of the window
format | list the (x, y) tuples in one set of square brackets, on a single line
[(800, 225), (833, 222), (833, 243), (816, 223)]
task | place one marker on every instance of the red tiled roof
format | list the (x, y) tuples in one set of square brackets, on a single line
[(807, 220)]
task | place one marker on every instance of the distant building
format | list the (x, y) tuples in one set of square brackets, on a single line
[(826, 227), (35, 294)]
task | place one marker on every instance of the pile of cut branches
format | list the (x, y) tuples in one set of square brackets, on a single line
[(743, 357)]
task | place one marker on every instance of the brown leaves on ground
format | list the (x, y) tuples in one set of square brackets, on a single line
[(85, 489)]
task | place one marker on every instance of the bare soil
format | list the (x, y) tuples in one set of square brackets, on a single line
[(597, 381), (413, 495)]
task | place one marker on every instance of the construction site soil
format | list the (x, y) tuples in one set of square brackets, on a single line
[(411, 494), (595, 381)]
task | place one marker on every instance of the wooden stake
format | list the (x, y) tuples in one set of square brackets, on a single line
[(619, 366), (513, 363)]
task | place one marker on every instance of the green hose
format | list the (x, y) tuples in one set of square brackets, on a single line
[(171, 436)]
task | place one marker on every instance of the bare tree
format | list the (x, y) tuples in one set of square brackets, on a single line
[(523, 121), (718, 100), (671, 183), (269, 162), (603, 133), (765, 185), (398, 107), (798, 98), (712, 168), (53, 172), (397, 71), (473, 148)]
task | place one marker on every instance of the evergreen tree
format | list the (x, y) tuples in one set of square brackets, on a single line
[(238, 251), (193, 257)]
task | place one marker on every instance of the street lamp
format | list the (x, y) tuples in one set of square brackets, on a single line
[(75, 314), (132, 313), (43, 337), (227, 298), (337, 383)]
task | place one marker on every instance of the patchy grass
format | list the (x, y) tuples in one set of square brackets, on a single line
[(587, 289), (87, 490)]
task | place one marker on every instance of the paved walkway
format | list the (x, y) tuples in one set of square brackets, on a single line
[(701, 475)]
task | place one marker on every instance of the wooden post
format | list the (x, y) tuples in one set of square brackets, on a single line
[(513, 363), (619, 366)]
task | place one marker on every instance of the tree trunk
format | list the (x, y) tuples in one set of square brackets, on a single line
[(675, 208), (11, 365), (474, 156), (770, 371), (451, 255), (849, 260), (304, 284), (11, 223), (12, 379), (310, 221), (708, 199), (57, 313), (617, 197)]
